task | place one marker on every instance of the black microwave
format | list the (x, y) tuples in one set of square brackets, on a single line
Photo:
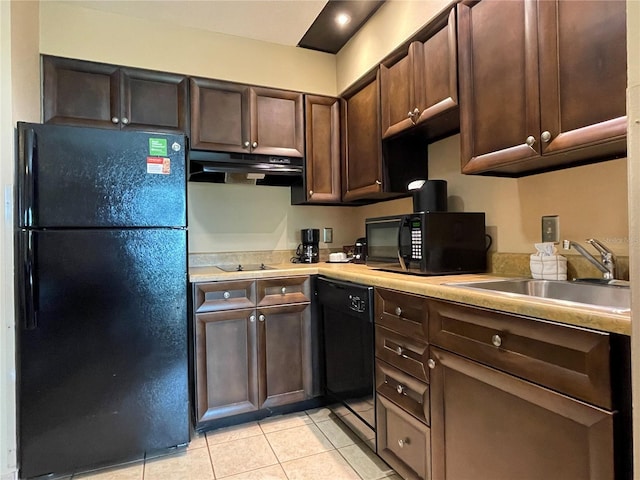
[(428, 243)]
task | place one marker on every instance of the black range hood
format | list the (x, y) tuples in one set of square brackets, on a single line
[(223, 167)]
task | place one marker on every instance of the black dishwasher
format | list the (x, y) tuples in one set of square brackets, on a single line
[(346, 317)]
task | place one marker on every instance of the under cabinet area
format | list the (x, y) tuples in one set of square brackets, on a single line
[(562, 102), (77, 92), (252, 346)]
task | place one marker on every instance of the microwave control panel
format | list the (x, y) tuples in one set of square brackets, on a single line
[(416, 239)]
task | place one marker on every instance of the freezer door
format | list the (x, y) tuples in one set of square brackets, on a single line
[(88, 177), (103, 368)]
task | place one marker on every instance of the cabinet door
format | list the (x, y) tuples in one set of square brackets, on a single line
[(486, 424), (277, 122), (80, 93), (437, 65), (403, 441), (397, 93), (362, 174), (154, 100), (220, 119), (285, 355), (226, 364), (499, 101), (322, 160), (583, 74)]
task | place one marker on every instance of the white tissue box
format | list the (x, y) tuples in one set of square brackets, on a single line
[(548, 267)]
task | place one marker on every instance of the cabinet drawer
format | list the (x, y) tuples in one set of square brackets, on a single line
[(278, 291), (403, 442), (402, 352), (215, 296), (403, 313), (571, 360), (404, 390)]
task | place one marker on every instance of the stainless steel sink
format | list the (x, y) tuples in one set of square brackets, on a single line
[(613, 297)]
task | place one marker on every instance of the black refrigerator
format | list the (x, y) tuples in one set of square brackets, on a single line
[(101, 285)]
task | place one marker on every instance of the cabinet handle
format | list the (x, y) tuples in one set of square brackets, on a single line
[(400, 389), (226, 295), (431, 363), (546, 136), (400, 351), (254, 144), (246, 144), (283, 290), (530, 140), (252, 318), (496, 340), (115, 119), (402, 442), (125, 121), (261, 318), (398, 311)]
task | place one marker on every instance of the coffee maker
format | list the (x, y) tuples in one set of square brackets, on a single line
[(308, 251)]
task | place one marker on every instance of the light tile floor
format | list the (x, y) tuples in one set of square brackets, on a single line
[(312, 445)]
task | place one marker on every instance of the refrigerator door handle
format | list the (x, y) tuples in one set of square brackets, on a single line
[(26, 179), (27, 293)]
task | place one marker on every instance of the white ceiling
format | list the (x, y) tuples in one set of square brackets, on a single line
[(276, 21)]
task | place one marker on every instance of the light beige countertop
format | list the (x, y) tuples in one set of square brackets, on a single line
[(436, 287)]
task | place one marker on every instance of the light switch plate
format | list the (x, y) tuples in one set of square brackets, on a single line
[(551, 228), (327, 235)]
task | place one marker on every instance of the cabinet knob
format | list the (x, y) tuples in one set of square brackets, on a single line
[(283, 290), (400, 389), (226, 295), (496, 340), (125, 121), (115, 119), (400, 351), (410, 114), (546, 136), (398, 311), (261, 318), (246, 144), (416, 111), (310, 192), (252, 318), (378, 182), (402, 442), (431, 363), (254, 144), (531, 140)]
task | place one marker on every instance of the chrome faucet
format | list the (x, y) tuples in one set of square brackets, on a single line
[(608, 263)]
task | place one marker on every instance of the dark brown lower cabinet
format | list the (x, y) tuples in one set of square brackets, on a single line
[(403, 441), (250, 359), (487, 424)]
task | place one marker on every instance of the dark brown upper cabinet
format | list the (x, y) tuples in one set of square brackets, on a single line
[(542, 84), (420, 86), (374, 169), (77, 92), (231, 117), (323, 154)]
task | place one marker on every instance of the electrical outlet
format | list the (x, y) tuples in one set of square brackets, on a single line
[(327, 235), (551, 228)]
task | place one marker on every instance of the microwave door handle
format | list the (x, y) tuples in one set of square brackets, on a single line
[(403, 264)]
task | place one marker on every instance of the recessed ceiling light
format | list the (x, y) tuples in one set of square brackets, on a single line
[(342, 19)]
